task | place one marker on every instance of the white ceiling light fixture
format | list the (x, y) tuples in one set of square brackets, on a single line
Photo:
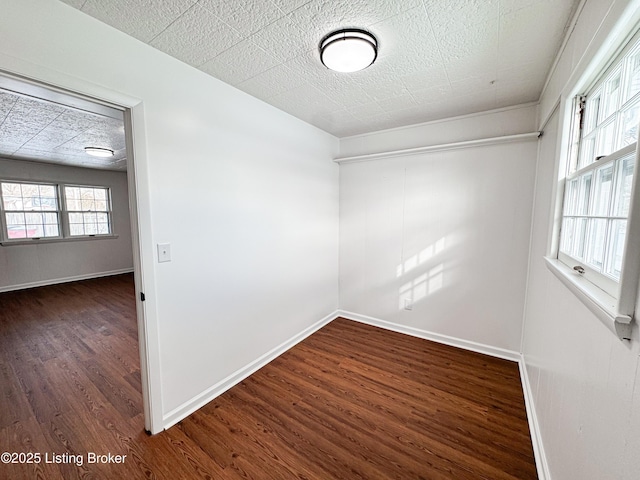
[(348, 50), (99, 152)]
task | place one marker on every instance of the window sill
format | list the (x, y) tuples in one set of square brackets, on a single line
[(601, 304), (34, 241)]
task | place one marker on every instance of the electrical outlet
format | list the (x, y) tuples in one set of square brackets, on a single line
[(164, 252), (407, 304)]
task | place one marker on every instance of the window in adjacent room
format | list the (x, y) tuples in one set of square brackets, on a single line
[(88, 210), (42, 211), (30, 210)]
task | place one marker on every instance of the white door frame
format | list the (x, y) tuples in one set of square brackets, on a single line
[(148, 338), (139, 207)]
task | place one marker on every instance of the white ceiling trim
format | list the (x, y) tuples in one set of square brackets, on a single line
[(441, 147)]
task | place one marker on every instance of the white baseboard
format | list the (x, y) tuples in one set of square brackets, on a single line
[(436, 337), (55, 281), (219, 388), (534, 427)]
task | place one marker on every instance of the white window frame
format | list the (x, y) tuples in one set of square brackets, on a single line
[(63, 216), (4, 211), (607, 282), (614, 306), (67, 221)]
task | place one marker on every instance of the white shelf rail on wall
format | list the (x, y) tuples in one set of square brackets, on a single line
[(440, 147)]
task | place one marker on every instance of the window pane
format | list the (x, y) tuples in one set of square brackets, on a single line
[(630, 120), (29, 190), (35, 231), (28, 203), (88, 204), (47, 204), (101, 206), (11, 190), (103, 228), (571, 197), (50, 226), (580, 239), (625, 167), (602, 191), (568, 235), (73, 204), (15, 219), (596, 239), (75, 218), (606, 139), (100, 193), (13, 203), (33, 218), (71, 193), (47, 191), (584, 194), (102, 218), (86, 192), (76, 229), (634, 74), (91, 228), (612, 95), (16, 231), (89, 218), (593, 109), (51, 231), (616, 248), (587, 152)]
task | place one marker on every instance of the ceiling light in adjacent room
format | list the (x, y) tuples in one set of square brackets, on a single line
[(348, 50), (99, 152)]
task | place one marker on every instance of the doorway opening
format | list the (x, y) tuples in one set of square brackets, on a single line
[(71, 289)]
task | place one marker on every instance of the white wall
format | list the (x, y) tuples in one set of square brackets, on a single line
[(40, 264), (585, 382), (246, 194), (447, 230)]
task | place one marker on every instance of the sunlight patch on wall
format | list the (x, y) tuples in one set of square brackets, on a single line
[(421, 257), (419, 288)]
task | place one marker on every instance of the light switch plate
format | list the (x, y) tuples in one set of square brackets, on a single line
[(408, 304), (164, 252)]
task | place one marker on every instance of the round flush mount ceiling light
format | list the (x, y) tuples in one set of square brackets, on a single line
[(348, 50), (99, 152)]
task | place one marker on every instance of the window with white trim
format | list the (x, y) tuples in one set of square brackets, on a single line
[(600, 174), (45, 211), (597, 253), (88, 210), (31, 210)]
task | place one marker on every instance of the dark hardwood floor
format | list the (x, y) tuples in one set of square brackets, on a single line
[(350, 402)]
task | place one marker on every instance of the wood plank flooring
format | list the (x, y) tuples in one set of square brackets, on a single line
[(350, 402)]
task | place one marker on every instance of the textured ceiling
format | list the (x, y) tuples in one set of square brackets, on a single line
[(37, 129), (437, 58)]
